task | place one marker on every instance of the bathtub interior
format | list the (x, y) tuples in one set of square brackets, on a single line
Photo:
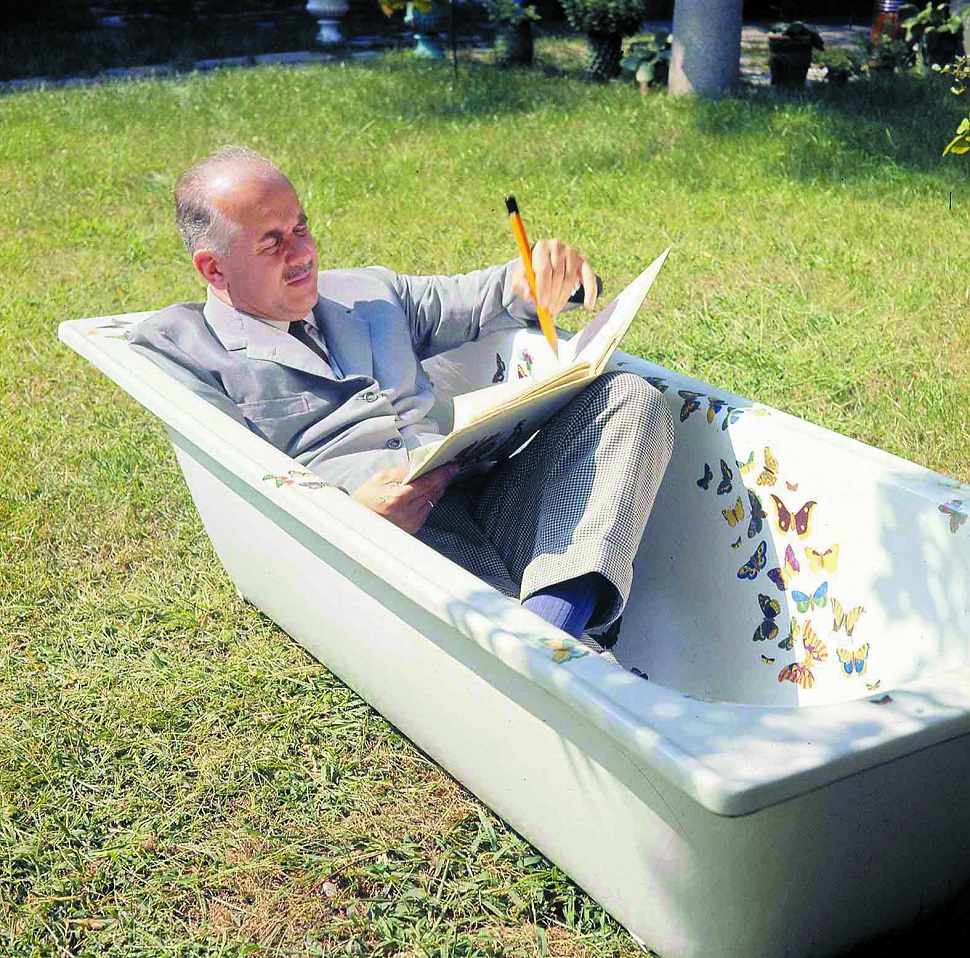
[(783, 564)]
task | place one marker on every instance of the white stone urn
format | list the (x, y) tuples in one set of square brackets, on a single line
[(328, 14)]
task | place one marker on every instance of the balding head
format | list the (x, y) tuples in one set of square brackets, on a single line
[(202, 190)]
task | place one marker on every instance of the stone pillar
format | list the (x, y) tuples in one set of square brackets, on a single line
[(706, 51)]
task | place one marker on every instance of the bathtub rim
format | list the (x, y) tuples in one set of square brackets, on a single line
[(768, 754)]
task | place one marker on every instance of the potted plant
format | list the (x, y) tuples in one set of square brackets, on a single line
[(606, 23), (425, 19), (887, 54), (647, 61), (514, 45), (790, 48), (840, 66), (933, 33)]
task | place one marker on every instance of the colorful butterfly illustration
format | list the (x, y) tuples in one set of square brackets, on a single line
[(791, 486), (770, 609), (814, 646), (733, 415), (748, 463), (735, 514), (528, 360), (642, 675), (854, 661), (755, 564), (714, 406), (818, 600), (521, 372), (565, 649), (692, 403), (768, 660), (299, 477), (769, 475), (658, 383), (872, 686), (788, 569), (798, 672), (827, 560), (737, 543), (802, 519), (758, 515), (801, 672), (499, 376), (794, 631), (724, 486), (705, 481), (957, 516), (845, 620)]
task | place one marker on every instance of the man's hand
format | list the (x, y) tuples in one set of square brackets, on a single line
[(559, 270), (406, 505)]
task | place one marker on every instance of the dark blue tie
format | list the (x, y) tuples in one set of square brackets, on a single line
[(309, 337)]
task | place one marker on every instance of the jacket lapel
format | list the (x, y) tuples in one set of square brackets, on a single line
[(347, 336)]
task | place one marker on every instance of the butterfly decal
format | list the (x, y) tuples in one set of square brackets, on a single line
[(814, 646), (794, 631), (817, 600), (660, 384), (758, 515), (791, 486), (769, 475), (642, 675), (801, 520), (735, 514), (845, 620), (499, 376), (565, 649), (705, 481), (957, 516), (873, 686), (522, 374), (854, 661), (768, 660), (827, 561), (770, 609), (748, 463), (725, 486), (737, 543), (692, 403), (714, 406), (755, 564), (786, 571), (733, 415), (800, 673)]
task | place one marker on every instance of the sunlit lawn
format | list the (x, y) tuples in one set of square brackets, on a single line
[(176, 777)]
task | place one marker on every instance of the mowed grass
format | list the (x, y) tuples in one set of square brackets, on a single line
[(177, 778)]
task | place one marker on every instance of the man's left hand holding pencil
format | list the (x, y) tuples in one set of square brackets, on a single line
[(559, 270)]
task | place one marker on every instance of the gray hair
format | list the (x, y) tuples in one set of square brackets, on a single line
[(202, 224)]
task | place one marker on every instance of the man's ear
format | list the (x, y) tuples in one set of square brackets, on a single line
[(208, 265)]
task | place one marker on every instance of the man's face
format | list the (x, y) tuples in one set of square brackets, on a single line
[(271, 268)]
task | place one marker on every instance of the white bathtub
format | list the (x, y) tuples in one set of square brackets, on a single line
[(746, 799)]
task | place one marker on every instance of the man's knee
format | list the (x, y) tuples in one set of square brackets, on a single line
[(644, 403)]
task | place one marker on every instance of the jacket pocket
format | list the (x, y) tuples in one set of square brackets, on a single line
[(275, 409)]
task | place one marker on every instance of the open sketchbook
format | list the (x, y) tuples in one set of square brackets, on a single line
[(492, 423)]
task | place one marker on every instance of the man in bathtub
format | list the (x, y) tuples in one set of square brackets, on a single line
[(326, 367)]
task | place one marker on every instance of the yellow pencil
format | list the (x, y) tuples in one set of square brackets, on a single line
[(545, 319)]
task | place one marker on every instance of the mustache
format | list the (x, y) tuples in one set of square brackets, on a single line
[(295, 272)]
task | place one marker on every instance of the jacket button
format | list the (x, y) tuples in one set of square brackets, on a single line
[(370, 397), (394, 443)]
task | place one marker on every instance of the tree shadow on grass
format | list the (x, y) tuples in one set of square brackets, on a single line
[(840, 133)]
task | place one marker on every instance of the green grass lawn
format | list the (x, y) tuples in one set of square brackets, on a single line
[(177, 777)]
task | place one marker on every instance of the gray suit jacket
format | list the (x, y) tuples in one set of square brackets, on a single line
[(378, 326)]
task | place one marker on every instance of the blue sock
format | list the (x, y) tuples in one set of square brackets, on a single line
[(568, 605)]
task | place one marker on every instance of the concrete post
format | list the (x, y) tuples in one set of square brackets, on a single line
[(706, 53)]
